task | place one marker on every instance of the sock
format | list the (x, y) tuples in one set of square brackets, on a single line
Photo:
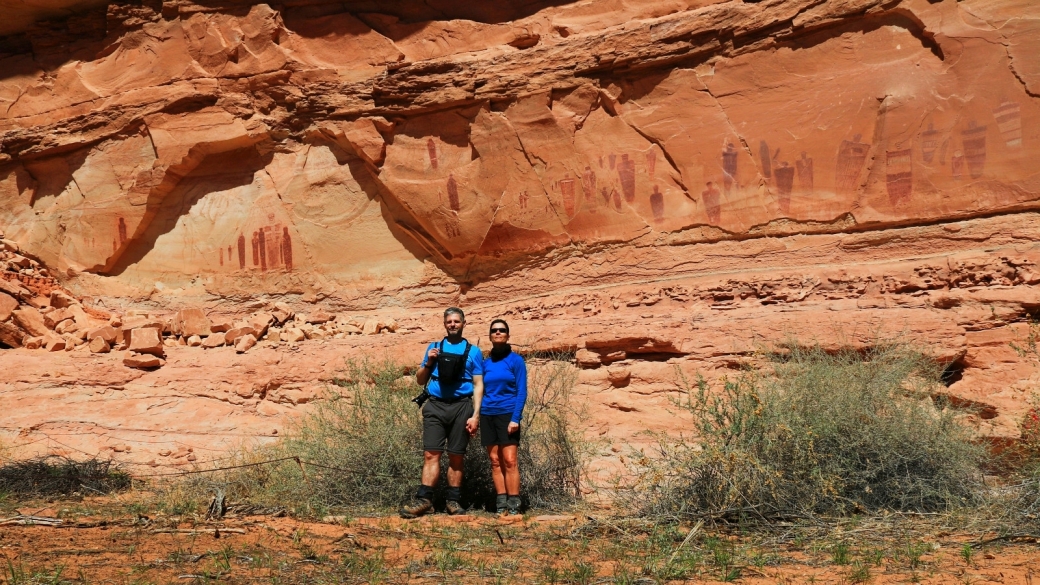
[(425, 492), (513, 502), (500, 502), (453, 494)]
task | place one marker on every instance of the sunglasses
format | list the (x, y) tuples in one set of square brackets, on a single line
[(499, 330)]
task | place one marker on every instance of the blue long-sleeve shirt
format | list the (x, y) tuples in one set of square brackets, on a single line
[(505, 386)]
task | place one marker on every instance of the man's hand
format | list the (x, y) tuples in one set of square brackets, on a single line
[(471, 425), (431, 357), (512, 428)]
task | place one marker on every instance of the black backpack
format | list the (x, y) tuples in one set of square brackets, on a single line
[(451, 367)]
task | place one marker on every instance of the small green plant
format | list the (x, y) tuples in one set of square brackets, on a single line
[(551, 575), (581, 573), (968, 554), (860, 572), (913, 552), (840, 554)]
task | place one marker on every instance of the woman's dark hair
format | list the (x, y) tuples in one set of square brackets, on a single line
[(502, 321)]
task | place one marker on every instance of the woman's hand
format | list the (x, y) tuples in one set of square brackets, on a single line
[(512, 428), (471, 425)]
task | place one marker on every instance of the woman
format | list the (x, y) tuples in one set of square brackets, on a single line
[(505, 392)]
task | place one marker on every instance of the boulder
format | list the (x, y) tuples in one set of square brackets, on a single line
[(188, 322), (282, 312), (194, 341), (260, 322), (29, 342), (146, 340), (66, 326), (349, 329), (214, 340), (587, 359), (220, 325), (99, 345), (31, 320), (7, 304), (231, 337), (11, 335), (14, 289), (133, 360), (391, 326), (52, 318), (60, 300), (371, 326), (293, 335), (245, 343), (619, 377), (107, 332), (318, 317), (54, 343)]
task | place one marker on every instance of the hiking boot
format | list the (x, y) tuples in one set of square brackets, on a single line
[(500, 504), (452, 507), (513, 505), (415, 507)]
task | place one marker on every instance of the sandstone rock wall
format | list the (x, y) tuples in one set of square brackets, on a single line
[(403, 153)]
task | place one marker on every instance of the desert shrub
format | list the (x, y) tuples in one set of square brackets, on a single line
[(360, 448), (815, 433), (54, 476), (551, 454)]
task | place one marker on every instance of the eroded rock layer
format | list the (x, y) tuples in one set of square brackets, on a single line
[(791, 161)]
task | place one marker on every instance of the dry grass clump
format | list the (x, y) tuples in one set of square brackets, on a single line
[(54, 476), (817, 433)]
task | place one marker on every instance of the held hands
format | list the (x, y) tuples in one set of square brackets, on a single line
[(512, 428), (471, 425)]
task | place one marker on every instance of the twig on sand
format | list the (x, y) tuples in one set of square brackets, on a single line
[(199, 531), (693, 531), (22, 520)]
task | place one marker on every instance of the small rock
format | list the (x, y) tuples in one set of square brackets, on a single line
[(194, 341), (165, 453), (146, 340), (12, 335), (349, 329), (31, 320), (319, 316), (587, 359), (7, 304), (215, 340), (32, 342), (619, 377), (60, 300), (220, 326), (170, 342), (391, 326), (260, 322), (107, 333), (133, 360), (190, 322), (294, 335), (245, 343), (371, 327), (282, 312), (55, 343), (66, 326), (99, 345), (232, 336)]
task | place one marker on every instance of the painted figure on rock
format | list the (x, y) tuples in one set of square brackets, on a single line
[(805, 172), (453, 194), (627, 176), (651, 162), (588, 186), (567, 189), (784, 185), (767, 163), (241, 251), (712, 203), (657, 204), (1009, 122), (431, 149), (899, 175), (973, 138), (729, 167), (852, 154), (929, 143)]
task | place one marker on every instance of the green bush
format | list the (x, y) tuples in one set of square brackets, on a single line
[(816, 433), (360, 448)]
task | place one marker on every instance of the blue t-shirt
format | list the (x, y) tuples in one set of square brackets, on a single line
[(463, 387), (505, 386)]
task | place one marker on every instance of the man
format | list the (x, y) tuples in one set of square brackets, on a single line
[(454, 369)]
